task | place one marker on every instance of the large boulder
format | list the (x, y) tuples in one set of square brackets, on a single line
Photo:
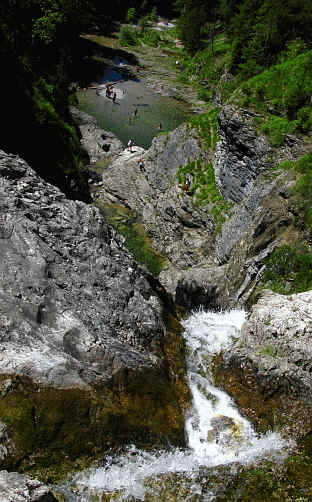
[(91, 352), (268, 370)]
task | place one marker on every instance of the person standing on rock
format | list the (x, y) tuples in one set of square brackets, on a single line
[(114, 97), (187, 185), (130, 145), (141, 166)]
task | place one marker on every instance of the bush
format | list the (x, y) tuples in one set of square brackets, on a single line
[(130, 15), (289, 270), (127, 36)]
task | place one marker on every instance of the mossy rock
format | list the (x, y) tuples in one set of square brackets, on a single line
[(55, 431), (269, 403)]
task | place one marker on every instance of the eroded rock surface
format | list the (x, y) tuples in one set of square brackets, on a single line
[(268, 370), (216, 266), (16, 487), (85, 333), (98, 143)]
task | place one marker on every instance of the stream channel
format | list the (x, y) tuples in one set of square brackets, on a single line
[(219, 439), (217, 435)]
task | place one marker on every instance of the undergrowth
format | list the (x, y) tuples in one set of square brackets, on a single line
[(136, 240), (282, 95), (289, 269)]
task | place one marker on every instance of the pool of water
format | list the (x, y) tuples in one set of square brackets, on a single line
[(136, 113)]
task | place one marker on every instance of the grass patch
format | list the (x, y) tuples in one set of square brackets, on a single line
[(204, 190), (282, 94), (136, 240), (207, 126)]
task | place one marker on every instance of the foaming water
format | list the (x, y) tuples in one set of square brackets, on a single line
[(217, 434)]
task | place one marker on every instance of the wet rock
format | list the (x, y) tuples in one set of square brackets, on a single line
[(85, 333), (268, 371), (16, 487), (98, 143)]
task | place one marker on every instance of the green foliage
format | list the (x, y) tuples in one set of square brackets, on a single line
[(206, 67), (137, 242), (151, 37), (289, 269), (204, 189), (207, 125), (260, 31), (127, 36), (143, 22), (130, 15), (153, 14), (194, 14), (303, 189), (277, 128), (283, 95), (45, 28)]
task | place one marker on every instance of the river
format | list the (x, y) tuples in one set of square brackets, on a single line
[(217, 435)]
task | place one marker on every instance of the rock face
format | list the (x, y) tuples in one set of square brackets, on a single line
[(91, 353), (177, 227), (268, 371), (209, 264), (98, 143), (241, 154), (19, 488)]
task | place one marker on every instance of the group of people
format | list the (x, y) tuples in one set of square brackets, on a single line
[(110, 92)]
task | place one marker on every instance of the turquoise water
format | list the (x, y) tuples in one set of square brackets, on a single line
[(152, 110)]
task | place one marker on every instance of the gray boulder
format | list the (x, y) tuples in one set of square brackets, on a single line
[(85, 336), (16, 487)]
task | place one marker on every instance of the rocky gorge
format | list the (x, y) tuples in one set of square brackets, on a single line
[(90, 347), (91, 350)]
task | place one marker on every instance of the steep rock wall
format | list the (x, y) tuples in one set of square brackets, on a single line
[(91, 354)]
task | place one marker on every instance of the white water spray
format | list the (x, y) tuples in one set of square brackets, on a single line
[(217, 434)]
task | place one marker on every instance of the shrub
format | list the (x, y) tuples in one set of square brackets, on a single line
[(127, 36), (289, 269), (130, 15)]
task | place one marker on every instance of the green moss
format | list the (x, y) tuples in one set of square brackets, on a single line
[(138, 243), (270, 481), (58, 430)]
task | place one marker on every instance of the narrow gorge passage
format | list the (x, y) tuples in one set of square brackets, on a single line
[(217, 434)]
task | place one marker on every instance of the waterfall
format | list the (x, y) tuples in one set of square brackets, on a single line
[(216, 432)]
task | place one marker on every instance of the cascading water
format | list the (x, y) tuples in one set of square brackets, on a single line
[(217, 434)]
